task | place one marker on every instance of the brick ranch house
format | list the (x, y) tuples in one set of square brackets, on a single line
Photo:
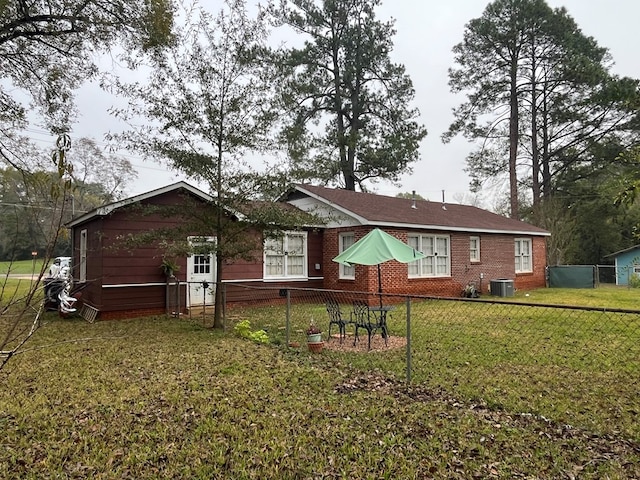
[(463, 244)]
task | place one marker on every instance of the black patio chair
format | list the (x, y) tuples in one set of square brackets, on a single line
[(335, 318), (361, 317)]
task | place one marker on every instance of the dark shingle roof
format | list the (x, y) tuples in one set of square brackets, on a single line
[(393, 211)]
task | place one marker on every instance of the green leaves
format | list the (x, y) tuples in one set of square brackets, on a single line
[(48, 48), (243, 330), (350, 119), (539, 94), (208, 107)]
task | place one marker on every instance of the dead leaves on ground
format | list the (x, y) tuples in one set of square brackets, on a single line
[(589, 449)]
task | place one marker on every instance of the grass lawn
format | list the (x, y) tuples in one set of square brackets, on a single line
[(572, 366), (167, 398), (605, 296), (21, 267)]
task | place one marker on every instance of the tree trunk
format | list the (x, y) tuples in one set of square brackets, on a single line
[(217, 307), (546, 168), (346, 163), (218, 321), (513, 138), (535, 149)]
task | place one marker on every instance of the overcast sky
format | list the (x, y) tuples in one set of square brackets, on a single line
[(426, 32)]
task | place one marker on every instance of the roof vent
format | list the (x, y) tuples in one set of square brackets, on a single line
[(444, 205), (413, 204)]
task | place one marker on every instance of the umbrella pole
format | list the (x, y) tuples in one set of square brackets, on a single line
[(379, 285)]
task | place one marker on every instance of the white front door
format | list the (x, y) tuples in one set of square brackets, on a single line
[(201, 275)]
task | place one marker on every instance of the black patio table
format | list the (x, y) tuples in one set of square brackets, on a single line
[(380, 313)]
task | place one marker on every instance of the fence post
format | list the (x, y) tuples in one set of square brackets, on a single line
[(408, 340), (178, 306), (167, 297), (224, 306), (288, 317)]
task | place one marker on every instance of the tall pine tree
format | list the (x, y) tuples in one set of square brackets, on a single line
[(351, 117), (539, 96)]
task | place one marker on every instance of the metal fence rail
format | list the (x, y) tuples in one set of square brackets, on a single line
[(564, 363)]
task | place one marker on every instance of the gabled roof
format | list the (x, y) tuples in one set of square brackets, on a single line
[(241, 213), (380, 210), (619, 252), (107, 209)]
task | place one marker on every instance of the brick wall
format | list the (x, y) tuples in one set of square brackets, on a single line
[(537, 279), (497, 260)]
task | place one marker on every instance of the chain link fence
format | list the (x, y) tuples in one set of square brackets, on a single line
[(625, 276), (592, 276), (609, 274), (574, 365)]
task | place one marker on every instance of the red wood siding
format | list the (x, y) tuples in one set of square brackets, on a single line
[(264, 292), (243, 269), (135, 274), (92, 289), (123, 302), (126, 282)]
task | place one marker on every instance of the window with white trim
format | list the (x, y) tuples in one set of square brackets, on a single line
[(202, 257), (474, 249), (524, 263), (286, 256), (345, 241), (82, 270), (437, 261)]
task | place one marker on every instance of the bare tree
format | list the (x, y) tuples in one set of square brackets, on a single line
[(22, 300)]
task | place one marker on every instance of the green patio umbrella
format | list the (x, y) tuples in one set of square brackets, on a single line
[(375, 248)]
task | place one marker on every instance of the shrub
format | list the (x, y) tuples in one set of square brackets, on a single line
[(634, 280), (243, 329)]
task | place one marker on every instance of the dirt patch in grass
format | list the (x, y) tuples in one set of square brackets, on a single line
[(378, 344)]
